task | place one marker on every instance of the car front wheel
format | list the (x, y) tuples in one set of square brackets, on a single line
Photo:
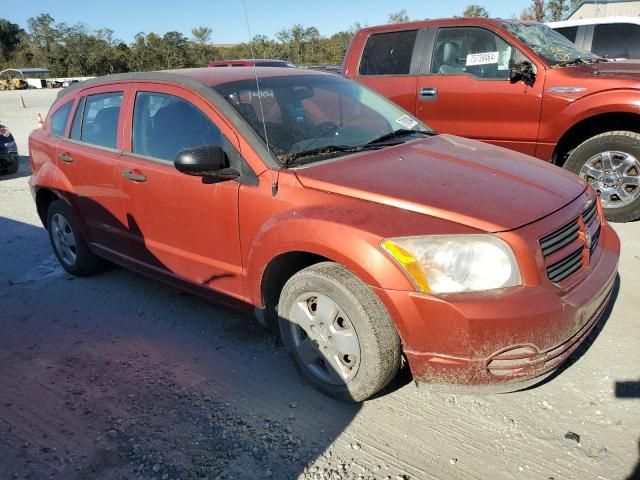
[(610, 162), (338, 333), (69, 246)]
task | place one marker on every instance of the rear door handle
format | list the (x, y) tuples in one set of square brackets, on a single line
[(65, 158), (135, 177), (428, 93)]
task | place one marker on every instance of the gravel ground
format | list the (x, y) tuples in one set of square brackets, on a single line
[(116, 376)]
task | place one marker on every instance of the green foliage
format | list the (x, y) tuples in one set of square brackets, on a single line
[(80, 51), (398, 17), (474, 10)]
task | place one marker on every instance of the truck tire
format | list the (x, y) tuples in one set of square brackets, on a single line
[(338, 332), (610, 162), (69, 246)]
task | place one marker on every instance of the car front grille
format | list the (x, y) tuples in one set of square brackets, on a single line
[(570, 247)]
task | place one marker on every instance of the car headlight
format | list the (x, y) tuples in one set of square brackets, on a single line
[(455, 263)]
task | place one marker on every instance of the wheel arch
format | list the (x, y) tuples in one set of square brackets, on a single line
[(590, 127), (44, 197)]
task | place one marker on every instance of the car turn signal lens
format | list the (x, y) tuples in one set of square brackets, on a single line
[(409, 263)]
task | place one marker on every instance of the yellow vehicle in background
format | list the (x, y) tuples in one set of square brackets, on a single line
[(13, 84)]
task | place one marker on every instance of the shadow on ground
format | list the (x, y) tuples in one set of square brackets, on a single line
[(116, 376)]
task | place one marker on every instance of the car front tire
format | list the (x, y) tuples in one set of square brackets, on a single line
[(338, 332), (610, 162)]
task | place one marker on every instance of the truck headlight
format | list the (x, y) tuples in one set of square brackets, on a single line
[(455, 263)]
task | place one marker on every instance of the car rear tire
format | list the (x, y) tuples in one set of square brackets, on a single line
[(610, 162), (338, 332), (69, 246)]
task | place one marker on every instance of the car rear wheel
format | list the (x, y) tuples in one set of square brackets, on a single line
[(338, 333), (69, 246), (610, 162)]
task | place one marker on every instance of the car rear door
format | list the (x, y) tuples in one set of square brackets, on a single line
[(180, 225), (390, 63), (464, 89), (87, 156)]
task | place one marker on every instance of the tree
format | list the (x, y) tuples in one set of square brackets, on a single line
[(10, 36), (202, 35), (556, 9), (535, 12), (398, 17), (474, 10)]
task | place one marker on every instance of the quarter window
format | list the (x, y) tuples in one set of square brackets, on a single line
[(165, 124), (473, 51), (59, 119), (100, 119), (388, 53)]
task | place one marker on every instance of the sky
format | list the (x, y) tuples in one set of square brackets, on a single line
[(226, 18)]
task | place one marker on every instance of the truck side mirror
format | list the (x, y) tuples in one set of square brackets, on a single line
[(522, 71)]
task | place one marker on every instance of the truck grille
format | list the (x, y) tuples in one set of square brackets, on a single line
[(565, 248)]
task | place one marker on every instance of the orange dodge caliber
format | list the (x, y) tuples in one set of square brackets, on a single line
[(337, 216)]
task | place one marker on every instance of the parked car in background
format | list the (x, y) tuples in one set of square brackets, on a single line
[(611, 37), (340, 218), (255, 62), (9, 162), (519, 85)]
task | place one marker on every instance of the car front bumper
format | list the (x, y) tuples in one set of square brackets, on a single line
[(503, 340)]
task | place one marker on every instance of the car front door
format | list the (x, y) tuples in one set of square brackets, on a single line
[(87, 156), (179, 225), (465, 89)]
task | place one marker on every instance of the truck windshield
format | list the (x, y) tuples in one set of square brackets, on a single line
[(313, 116), (549, 44)]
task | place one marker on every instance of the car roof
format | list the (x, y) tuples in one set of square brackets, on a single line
[(204, 76), (594, 21)]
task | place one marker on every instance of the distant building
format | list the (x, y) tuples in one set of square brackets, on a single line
[(605, 8)]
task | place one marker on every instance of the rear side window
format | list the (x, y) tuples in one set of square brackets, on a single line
[(388, 53), (100, 119), (58, 122), (165, 124), (616, 40), (569, 33)]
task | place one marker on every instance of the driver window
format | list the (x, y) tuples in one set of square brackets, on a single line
[(471, 50), (165, 124)]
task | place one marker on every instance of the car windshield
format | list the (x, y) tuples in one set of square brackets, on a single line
[(549, 44), (312, 116)]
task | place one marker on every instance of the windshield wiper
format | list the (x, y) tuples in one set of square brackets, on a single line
[(288, 159), (580, 60), (397, 134)]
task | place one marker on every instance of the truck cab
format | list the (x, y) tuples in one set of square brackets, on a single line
[(518, 85)]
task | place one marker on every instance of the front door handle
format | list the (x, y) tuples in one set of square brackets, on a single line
[(65, 157), (135, 177), (428, 93)]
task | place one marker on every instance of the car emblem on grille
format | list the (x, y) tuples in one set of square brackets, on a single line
[(587, 239)]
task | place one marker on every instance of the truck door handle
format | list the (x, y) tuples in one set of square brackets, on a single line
[(135, 177), (65, 158), (428, 93)]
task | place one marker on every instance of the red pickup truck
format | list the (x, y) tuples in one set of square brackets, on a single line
[(515, 84)]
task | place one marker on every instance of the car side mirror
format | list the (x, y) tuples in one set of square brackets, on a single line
[(522, 71), (208, 161)]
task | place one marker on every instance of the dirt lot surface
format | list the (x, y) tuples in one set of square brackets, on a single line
[(117, 376)]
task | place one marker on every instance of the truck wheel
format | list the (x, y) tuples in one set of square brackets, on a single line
[(610, 162), (338, 333), (69, 246)]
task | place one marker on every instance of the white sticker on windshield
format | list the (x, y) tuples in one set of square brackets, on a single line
[(482, 58), (407, 122)]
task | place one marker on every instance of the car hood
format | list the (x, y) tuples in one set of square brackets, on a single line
[(461, 180), (627, 72)]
